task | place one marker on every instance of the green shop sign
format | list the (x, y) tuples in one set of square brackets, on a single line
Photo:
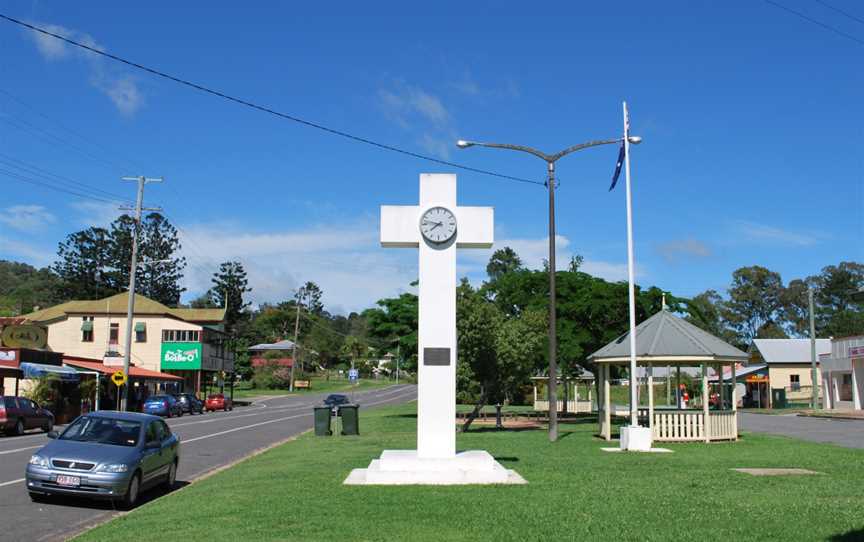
[(181, 355)]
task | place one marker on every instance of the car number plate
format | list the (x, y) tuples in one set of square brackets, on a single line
[(69, 481)]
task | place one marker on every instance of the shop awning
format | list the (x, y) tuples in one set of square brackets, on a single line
[(140, 327), (38, 370), (134, 372)]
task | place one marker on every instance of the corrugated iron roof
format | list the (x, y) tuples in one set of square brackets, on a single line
[(666, 335), (788, 350), (117, 304)]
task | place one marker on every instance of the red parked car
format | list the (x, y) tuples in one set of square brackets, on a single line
[(17, 414), (218, 401)]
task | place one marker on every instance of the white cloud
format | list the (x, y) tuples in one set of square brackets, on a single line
[(345, 260), (671, 251), (118, 86), (762, 233), (405, 103), (26, 218), (421, 113)]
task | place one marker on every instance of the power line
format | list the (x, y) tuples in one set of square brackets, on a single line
[(806, 18), (266, 109), (75, 133), (31, 169), (30, 180), (840, 11)]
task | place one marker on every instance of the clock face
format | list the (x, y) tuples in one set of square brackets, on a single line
[(438, 225)]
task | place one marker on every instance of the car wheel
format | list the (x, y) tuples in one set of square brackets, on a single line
[(172, 476), (131, 497), (49, 425), (19, 428), (170, 414)]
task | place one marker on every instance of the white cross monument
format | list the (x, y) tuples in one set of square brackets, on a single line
[(437, 226)]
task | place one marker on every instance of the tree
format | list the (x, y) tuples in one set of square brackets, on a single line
[(477, 323), (504, 260), (229, 286), (85, 265), (706, 311), (95, 262), (311, 295), (161, 269), (23, 288), (754, 302), (395, 322), (837, 314)]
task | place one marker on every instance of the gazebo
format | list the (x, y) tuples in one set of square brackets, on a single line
[(664, 340), (572, 401)]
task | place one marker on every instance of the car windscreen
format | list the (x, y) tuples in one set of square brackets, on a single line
[(103, 430), (158, 399)]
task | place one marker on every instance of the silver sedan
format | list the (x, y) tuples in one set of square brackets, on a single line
[(107, 455)]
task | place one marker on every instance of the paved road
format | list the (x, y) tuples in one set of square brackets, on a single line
[(849, 433), (208, 442)]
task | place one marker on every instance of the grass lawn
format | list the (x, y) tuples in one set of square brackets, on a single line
[(575, 492), (241, 391)]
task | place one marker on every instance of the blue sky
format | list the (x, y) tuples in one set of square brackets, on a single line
[(751, 118)]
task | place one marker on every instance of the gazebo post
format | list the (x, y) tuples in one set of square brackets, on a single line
[(705, 402), (607, 415), (651, 398), (734, 402)]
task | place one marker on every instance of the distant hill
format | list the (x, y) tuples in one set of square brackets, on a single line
[(23, 287)]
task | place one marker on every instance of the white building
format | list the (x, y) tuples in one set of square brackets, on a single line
[(843, 374)]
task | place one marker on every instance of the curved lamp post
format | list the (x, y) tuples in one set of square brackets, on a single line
[(550, 160)]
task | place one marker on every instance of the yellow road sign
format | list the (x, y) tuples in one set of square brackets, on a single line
[(119, 378)]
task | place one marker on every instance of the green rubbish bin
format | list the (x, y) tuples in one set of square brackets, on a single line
[(778, 398), (350, 419), (322, 421)]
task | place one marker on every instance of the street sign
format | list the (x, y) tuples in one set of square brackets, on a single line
[(118, 378), (353, 374)]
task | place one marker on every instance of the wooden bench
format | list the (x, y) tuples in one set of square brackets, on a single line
[(305, 384)]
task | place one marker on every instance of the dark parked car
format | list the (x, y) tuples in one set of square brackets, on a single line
[(189, 403), (17, 414), (107, 455), (218, 401), (163, 405), (335, 400)]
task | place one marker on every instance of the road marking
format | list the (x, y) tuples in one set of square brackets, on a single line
[(18, 481), (259, 424), (19, 450)]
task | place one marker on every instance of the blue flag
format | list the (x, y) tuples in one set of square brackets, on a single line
[(618, 168)]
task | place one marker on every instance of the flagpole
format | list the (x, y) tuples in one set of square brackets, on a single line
[(634, 406)]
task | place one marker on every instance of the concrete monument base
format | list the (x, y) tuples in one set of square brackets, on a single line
[(636, 439), (404, 467)]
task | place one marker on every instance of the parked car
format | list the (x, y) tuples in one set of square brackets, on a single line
[(189, 403), (163, 405), (18, 414), (218, 401), (335, 400), (107, 455)]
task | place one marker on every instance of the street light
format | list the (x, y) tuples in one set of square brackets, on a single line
[(550, 160)]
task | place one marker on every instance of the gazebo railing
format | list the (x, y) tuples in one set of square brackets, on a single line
[(574, 407), (689, 425)]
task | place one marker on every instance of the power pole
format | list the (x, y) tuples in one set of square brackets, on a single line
[(133, 268), (398, 353), (300, 294), (815, 387)]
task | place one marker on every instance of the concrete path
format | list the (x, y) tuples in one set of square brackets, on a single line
[(208, 442), (848, 433)]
